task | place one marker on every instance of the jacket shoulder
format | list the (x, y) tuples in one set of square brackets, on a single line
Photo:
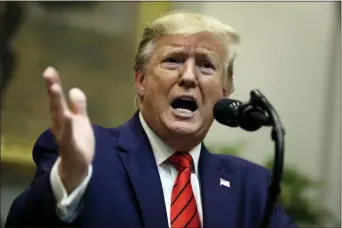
[(46, 143)]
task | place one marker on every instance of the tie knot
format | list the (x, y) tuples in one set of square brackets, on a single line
[(181, 160)]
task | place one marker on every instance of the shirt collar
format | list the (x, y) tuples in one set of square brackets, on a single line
[(162, 151)]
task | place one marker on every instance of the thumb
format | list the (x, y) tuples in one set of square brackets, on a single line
[(79, 101)]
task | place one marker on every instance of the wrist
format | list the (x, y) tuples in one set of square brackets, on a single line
[(71, 175)]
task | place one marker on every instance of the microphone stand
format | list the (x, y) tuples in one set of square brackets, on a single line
[(277, 135)]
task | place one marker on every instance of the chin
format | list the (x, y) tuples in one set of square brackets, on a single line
[(183, 136), (183, 127)]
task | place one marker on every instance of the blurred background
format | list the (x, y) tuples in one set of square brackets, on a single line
[(290, 51)]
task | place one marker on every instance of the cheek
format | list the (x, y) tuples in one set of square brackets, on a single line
[(159, 82), (164, 80), (211, 89)]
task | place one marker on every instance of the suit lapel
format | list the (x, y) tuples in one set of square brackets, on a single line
[(137, 157), (220, 203)]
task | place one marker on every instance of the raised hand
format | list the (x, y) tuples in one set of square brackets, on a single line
[(72, 130)]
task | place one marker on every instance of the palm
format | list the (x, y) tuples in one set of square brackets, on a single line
[(82, 139)]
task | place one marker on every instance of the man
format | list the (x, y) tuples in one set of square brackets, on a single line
[(11, 15), (154, 170)]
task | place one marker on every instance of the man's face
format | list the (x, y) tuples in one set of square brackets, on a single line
[(180, 86)]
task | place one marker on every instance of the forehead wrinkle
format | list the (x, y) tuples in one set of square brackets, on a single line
[(181, 49)]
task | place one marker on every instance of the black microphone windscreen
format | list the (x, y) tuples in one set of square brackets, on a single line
[(225, 111)]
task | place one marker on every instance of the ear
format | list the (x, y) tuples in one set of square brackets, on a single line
[(225, 92), (139, 83)]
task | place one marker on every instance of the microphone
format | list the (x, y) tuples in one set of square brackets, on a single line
[(251, 116), (234, 113)]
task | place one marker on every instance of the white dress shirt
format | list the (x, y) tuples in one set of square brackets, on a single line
[(68, 205)]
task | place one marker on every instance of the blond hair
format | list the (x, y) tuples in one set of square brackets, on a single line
[(181, 22)]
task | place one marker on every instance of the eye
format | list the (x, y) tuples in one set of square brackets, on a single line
[(206, 64), (206, 67), (172, 62)]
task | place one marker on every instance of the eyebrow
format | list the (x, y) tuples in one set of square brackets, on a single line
[(203, 52)]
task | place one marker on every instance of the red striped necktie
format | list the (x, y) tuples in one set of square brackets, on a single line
[(183, 203)]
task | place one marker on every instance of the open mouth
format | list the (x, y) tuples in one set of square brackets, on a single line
[(184, 104)]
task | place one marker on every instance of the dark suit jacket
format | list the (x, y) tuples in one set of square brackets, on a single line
[(125, 189)]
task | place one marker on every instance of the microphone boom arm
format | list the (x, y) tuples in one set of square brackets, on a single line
[(277, 135)]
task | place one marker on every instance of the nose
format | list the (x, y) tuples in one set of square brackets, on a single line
[(188, 75)]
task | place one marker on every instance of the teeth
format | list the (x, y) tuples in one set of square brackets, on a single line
[(182, 110)]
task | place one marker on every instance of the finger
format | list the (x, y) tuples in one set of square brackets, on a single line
[(79, 101), (65, 133), (51, 77), (58, 104), (57, 100)]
